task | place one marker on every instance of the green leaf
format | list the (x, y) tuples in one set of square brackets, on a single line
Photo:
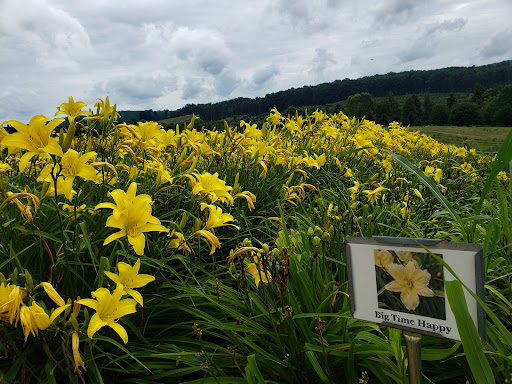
[(426, 181), (252, 371), (468, 333), (317, 367)]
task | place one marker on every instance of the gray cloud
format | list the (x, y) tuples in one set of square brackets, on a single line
[(165, 53), (396, 12), (498, 45), (193, 89), (138, 88), (425, 47), (52, 37), (201, 48), (263, 75), (322, 60), (226, 83)]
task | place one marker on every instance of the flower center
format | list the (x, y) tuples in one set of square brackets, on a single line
[(132, 230)]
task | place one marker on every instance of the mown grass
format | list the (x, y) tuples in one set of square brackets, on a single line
[(483, 138)]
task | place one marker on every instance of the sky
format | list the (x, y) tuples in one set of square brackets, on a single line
[(158, 54)]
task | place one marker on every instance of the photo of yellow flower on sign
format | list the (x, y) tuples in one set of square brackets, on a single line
[(410, 282)]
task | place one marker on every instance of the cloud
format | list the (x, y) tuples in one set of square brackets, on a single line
[(396, 12), (202, 48), (497, 45), (49, 36), (426, 45), (263, 75), (226, 83), (138, 89), (321, 62), (193, 89)]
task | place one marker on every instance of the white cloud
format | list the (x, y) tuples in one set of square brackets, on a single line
[(163, 54), (50, 36), (498, 45), (425, 46)]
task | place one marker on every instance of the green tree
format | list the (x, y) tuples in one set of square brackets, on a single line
[(440, 114), (451, 100), (427, 107), (394, 107), (360, 105), (410, 114), (465, 114), (290, 112), (478, 94), (496, 109), (383, 111)]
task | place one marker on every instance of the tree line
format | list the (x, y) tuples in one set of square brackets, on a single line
[(492, 106), (446, 80), (485, 82)]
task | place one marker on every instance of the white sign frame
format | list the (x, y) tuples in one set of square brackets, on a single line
[(365, 287)]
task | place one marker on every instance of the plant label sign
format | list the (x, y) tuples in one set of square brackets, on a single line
[(400, 283)]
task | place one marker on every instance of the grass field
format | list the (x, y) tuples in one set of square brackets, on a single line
[(483, 138), (176, 120)]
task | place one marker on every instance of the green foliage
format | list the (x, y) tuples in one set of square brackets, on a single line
[(440, 114), (497, 108), (205, 318), (465, 114), (361, 105), (411, 114)]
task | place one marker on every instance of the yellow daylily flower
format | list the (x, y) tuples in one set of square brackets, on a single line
[(438, 175), (11, 298), (353, 190), (216, 217), (109, 308), (429, 170), (34, 318), (179, 241), (34, 137), (373, 195), (210, 185), (72, 165), (212, 239), (410, 282), (53, 294), (72, 109), (4, 167), (130, 279), (132, 215), (257, 271)]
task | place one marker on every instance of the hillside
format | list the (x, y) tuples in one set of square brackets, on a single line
[(445, 80)]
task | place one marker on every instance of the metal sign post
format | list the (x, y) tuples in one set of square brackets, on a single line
[(413, 343)]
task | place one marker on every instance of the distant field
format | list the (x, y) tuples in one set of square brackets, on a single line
[(176, 120), (487, 139)]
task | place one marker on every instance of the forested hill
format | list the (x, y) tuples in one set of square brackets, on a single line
[(446, 80)]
